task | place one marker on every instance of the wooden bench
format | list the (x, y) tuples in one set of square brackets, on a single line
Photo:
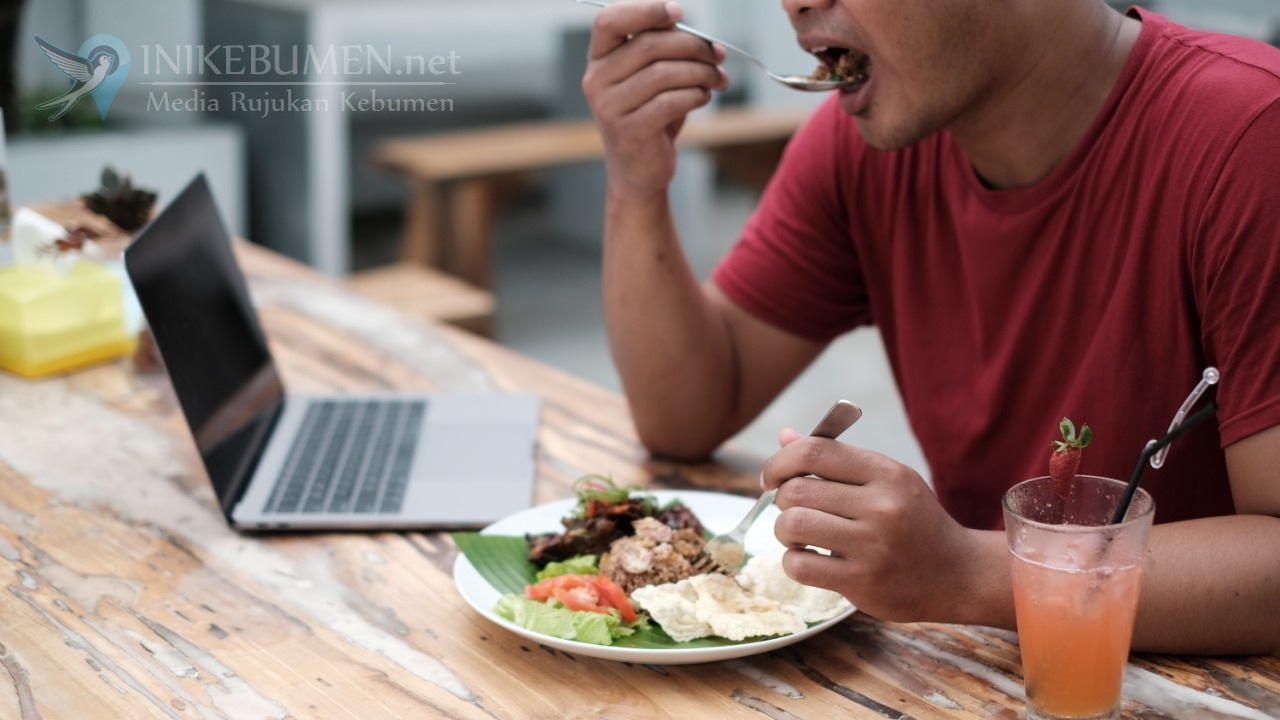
[(457, 179), (425, 293)]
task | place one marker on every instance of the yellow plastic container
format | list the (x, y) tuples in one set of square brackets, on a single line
[(50, 322)]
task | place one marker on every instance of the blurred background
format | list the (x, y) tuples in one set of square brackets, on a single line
[(315, 183)]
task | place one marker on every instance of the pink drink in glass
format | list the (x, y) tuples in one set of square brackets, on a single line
[(1076, 582)]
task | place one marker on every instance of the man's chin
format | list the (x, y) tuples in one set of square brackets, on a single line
[(885, 136)]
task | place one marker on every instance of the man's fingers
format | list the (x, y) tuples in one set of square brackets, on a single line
[(645, 49), (665, 76), (671, 106), (786, 436), (824, 458), (810, 492), (809, 567), (620, 21), (801, 526)]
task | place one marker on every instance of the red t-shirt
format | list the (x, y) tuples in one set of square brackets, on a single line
[(1100, 293)]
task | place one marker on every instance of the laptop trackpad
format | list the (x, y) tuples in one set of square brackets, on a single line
[(476, 460), (473, 455)]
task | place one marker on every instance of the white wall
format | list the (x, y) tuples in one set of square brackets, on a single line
[(1259, 19), (42, 169), (66, 23)]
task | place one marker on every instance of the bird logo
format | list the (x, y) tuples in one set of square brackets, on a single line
[(98, 70)]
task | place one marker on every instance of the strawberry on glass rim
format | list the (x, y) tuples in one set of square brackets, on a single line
[(1064, 461)]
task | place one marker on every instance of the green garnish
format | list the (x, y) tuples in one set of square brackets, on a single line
[(601, 489)]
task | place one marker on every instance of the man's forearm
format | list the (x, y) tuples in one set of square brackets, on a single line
[(672, 351), (1212, 587)]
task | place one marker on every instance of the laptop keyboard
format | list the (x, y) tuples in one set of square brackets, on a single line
[(350, 457)]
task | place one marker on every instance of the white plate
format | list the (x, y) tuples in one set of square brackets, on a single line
[(718, 512)]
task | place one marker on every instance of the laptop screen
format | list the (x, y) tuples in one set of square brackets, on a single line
[(196, 302)]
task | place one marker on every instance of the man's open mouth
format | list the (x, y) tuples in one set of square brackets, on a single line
[(841, 65)]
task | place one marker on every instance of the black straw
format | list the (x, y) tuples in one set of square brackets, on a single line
[(1151, 449)]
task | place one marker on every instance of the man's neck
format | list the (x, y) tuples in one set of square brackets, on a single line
[(1034, 120)]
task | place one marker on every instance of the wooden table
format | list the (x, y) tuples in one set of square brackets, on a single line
[(126, 596), (456, 180)]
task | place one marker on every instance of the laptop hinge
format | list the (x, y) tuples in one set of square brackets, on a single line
[(234, 491)]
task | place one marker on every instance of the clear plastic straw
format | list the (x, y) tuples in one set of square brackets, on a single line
[(1209, 377), (1156, 450)]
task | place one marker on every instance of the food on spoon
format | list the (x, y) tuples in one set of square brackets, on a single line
[(838, 65), (1064, 461)]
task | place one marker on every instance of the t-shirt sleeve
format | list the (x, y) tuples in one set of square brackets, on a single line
[(795, 266), (1237, 266)]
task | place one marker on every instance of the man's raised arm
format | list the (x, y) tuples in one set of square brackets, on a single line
[(694, 367)]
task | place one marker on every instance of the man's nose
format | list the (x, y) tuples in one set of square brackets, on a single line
[(795, 8)]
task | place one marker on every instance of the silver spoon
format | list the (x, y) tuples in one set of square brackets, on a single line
[(726, 550), (799, 82)]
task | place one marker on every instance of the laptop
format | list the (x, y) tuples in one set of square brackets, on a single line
[(279, 460)]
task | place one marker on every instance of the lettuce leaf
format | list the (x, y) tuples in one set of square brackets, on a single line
[(551, 618), (576, 565)]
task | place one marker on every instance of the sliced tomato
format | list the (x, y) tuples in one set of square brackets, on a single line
[(581, 597), (540, 592), (587, 593), (558, 585), (616, 597)]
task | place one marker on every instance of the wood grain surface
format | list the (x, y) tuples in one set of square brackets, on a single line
[(125, 594)]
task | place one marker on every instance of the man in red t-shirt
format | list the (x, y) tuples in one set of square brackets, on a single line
[(1048, 209)]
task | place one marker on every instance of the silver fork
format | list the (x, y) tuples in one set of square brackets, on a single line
[(799, 82), (726, 550)]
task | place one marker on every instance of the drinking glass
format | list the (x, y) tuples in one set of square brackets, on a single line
[(1076, 582)]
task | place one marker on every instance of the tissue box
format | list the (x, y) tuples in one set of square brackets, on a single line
[(51, 322)]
